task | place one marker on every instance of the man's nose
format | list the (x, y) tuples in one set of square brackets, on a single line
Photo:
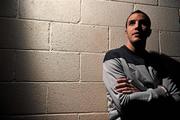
[(137, 25)]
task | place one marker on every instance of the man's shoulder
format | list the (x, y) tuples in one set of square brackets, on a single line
[(114, 53)]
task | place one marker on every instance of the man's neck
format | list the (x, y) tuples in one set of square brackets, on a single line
[(136, 49)]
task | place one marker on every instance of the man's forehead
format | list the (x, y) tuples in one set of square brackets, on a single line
[(137, 16)]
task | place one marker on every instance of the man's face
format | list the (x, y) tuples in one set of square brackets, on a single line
[(137, 28)]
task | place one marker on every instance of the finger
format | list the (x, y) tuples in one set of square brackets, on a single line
[(127, 92), (135, 89), (120, 80), (122, 85), (123, 89)]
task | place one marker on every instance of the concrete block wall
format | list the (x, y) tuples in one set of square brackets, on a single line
[(51, 53)]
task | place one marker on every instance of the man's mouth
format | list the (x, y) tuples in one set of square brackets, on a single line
[(136, 33)]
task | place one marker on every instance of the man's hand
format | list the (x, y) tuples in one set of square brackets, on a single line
[(124, 86)]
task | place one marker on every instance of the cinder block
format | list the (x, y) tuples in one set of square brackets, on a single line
[(55, 10), (170, 43), (105, 12), (151, 2), (41, 117), (7, 60), (93, 116), (24, 34), (79, 38), (169, 3), (117, 37), (162, 18), (91, 67), (152, 43), (62, 117), (76, 97), (22, 117), (123, 0), (8, 8), (22, 98), (47, 66)]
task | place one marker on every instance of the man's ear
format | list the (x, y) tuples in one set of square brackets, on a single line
[(125, 30)]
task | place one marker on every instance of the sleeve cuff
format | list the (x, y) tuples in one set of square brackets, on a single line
[(160, 91)]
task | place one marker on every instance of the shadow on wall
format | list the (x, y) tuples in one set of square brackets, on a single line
[(163, 109), (171, 68), (168, 66), (17, 97), (168, 109)]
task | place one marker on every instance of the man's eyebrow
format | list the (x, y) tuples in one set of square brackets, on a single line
[(138, 20), (131, 20)]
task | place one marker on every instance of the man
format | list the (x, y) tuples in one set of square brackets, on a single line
[(137, 85)]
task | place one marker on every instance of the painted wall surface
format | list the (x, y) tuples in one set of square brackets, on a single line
[(51, 53)]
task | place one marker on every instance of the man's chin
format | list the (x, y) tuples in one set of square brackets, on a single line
[(136, 39)]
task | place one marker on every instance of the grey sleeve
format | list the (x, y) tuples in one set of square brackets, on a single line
[(112, 69), (172, 88), (167, 89)]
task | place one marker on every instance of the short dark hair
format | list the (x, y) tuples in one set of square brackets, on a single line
[(139, 11)]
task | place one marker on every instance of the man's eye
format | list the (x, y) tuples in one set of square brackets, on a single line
[(143, 22), (132, 22)]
